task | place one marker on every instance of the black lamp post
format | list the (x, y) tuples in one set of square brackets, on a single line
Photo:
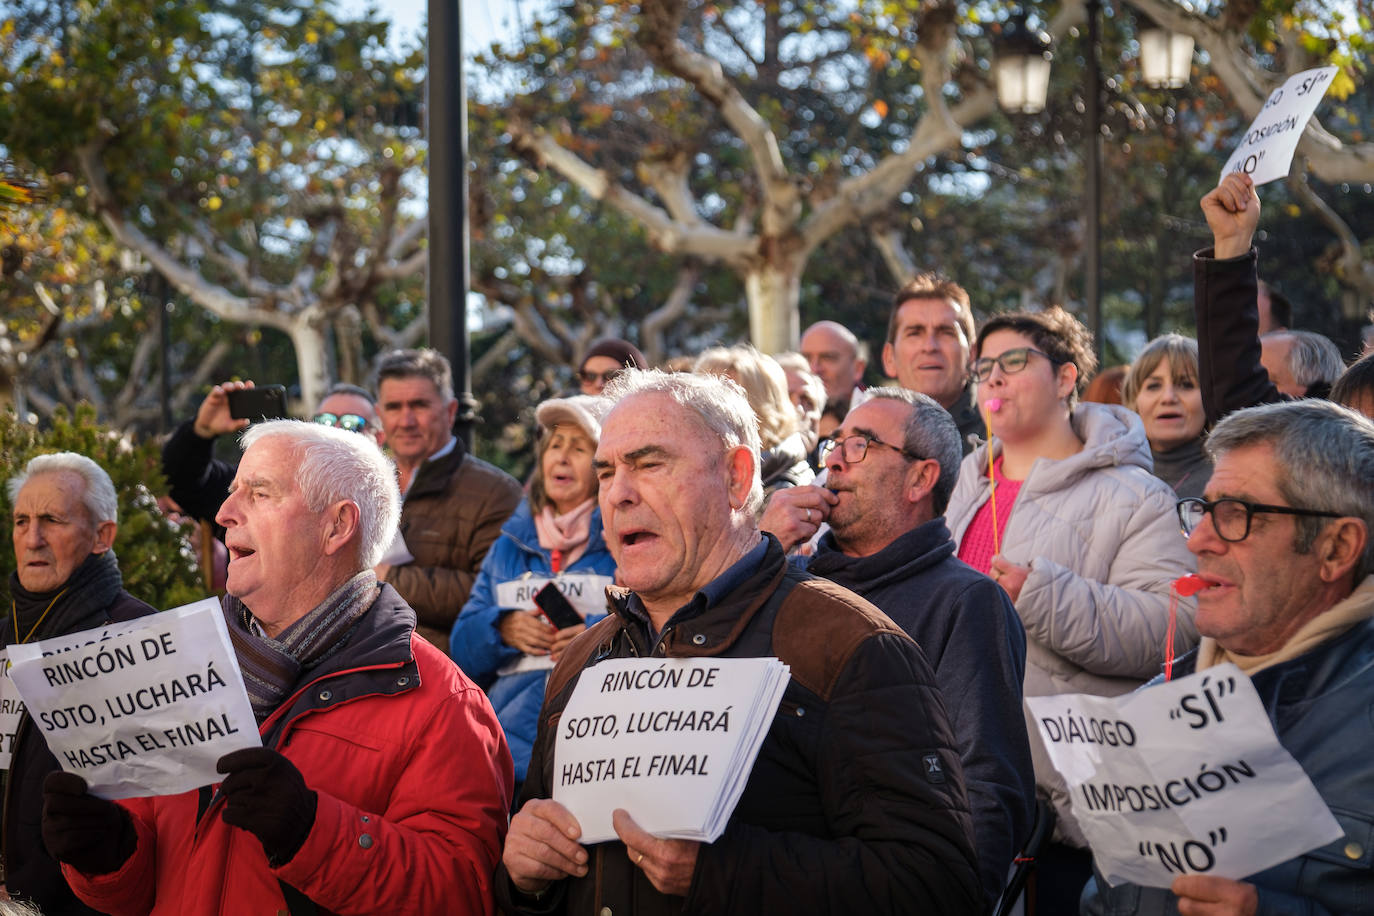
[(447, 277), (1165, 61)]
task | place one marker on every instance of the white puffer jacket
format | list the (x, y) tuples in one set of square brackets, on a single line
[(1100, 535)]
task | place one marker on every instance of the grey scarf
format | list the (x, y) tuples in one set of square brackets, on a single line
[(272, 668)]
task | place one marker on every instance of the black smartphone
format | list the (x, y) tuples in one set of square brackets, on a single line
[(265, 402), (556, 608)]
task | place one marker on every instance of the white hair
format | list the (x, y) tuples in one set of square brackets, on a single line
[(338, 465), (98, 495), (719, 401)]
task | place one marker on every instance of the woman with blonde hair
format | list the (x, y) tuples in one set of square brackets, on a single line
[(783, 460), (1162, 386)]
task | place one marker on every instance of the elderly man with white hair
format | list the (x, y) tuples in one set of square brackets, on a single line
[(383, 781), (856, 801), (66, 580)]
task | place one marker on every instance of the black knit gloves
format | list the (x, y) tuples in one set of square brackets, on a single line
[(266, 795), (90, 834)]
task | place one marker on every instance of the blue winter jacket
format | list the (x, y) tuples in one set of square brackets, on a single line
[(475, 643), (1320, 705)]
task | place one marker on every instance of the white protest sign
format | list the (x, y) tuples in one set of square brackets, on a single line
[(11, 710), (1266, 151), (670, 740), (1186, 777), (140, 708), (584, 591)]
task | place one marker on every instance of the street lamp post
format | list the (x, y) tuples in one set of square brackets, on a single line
[(1165, 62), (449, 257), (1092, 220)]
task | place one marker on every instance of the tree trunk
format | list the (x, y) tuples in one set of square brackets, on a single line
[(774, 293), (308, 338)]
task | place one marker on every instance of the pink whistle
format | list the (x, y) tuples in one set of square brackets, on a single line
[(993, 404), (1189, 585)]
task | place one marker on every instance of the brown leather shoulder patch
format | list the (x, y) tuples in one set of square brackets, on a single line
[(818, 627)]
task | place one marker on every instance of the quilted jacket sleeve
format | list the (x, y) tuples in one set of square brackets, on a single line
[(1115, 627)]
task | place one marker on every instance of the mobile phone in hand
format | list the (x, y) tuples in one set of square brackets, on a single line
[(265, 402), (556, 608)]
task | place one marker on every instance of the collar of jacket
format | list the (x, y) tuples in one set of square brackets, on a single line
[(1301, 681), (909, 555), (433, 476), (965, 409), (698, 629), (377, 661)]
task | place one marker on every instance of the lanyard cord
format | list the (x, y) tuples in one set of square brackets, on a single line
[(14, 615)]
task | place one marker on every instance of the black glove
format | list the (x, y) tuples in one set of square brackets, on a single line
[(266, 795), (90, 834)]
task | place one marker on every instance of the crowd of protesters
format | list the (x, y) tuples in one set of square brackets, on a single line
[(922, 555)]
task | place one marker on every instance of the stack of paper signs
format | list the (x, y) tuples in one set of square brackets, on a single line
[(670, 740)]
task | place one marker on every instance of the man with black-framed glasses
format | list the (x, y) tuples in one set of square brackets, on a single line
[(891, 467), (1282, 544)]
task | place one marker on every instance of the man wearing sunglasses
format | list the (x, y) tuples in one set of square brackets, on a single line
[(199, 482), (1281, 537)]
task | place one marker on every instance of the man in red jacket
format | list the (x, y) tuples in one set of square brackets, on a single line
[(383, 782)]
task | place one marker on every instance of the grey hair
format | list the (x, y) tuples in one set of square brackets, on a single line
[(1313, 358), (1325, 454), (337, 465), (719, 402), (99, 498), (19, 908), (930, 432), (791, 359), (422, 363)]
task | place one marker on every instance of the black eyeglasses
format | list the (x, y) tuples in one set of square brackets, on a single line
[(855, 447), (1231, 517), (605, 378), (349, 421), (1011, 361)]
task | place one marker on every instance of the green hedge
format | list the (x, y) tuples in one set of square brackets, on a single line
[(158, 562)]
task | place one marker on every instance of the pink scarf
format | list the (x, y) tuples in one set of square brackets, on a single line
[(565, 536)]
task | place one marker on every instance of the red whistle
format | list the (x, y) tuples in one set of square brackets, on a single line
[(1189, 585)]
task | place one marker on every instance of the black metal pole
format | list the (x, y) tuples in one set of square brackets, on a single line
[(447, 120), (161, 292), (1092, 273)]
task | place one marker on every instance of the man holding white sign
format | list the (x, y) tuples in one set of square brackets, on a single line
[(66, 580), (383, 781), (856, 801), (1283, 547)]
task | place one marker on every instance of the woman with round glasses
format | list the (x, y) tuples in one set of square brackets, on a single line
[(500, 639), (1162, 386), (1081, 535)]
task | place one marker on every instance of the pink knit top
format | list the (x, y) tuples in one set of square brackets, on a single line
[(976, 549)]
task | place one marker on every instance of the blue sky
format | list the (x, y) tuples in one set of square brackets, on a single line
[(483, 20)]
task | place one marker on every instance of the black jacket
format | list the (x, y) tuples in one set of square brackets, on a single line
[(196, 479), (1226, 304), (968, 420), (972, 637), (856, 801), (30, 873)]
